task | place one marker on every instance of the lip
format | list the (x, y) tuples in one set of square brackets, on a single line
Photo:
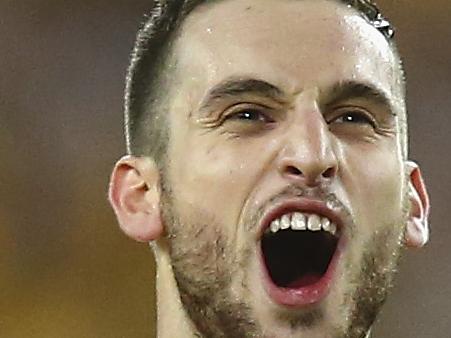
[(314, 293)]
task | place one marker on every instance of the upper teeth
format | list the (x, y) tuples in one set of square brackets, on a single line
[(301, 221)]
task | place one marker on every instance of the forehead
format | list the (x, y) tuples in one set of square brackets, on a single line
[(294, 44)]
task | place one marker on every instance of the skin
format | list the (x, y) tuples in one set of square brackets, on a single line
[(231, 157)]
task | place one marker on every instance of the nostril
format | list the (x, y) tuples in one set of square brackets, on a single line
[(294, 171), (330, 172)]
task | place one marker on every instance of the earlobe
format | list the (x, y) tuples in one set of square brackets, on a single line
[(135, 196), (417, 231)]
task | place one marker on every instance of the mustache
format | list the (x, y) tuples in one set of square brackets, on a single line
[(318, 193)]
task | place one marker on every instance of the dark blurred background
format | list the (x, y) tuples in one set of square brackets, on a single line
[(65, 268)]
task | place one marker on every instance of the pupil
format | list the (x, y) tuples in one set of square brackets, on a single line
[(249, 115), (354, 118)]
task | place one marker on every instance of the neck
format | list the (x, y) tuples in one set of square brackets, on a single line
[(172, 320)]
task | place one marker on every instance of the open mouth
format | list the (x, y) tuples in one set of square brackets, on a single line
[(298, 251)]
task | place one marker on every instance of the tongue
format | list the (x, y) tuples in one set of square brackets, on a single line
[(305, 280)]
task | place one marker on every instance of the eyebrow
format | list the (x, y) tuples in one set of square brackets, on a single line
[(241, 86), (347, 90), (341, 91)]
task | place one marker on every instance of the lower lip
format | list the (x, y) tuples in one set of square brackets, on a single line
[(303, 296)]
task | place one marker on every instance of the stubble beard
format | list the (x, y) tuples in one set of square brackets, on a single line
[(203, 270), (204, 267)]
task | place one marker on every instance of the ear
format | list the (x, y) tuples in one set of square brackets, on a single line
[(417, 231), (134, 195)]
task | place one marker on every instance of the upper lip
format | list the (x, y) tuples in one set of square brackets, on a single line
[(300, 204)]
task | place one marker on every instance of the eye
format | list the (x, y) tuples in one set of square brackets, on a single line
[(357, 117), (246, 119), (249, 115)]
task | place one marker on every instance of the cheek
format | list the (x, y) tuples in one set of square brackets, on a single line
[(216, 175), (375, 184)]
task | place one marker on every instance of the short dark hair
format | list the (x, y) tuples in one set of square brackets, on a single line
[(145, 117)]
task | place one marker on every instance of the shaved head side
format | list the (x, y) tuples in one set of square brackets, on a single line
[(152, 64)]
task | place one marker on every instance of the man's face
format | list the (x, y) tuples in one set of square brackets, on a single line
[(283, 111)]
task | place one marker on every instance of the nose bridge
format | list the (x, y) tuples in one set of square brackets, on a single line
[(308, 153), (309, 136)]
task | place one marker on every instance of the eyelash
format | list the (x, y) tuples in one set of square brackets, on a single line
[(359, 116), (353, 116), (245, 114)]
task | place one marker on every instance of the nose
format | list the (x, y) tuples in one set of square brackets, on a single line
[(307, 156)]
